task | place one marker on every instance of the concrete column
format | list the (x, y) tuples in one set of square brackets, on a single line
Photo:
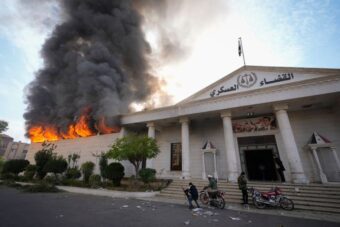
[(230, 147), (204, 175), (151, 134), (289, 143), (215, 166), (336, 158), (185, 148), (321, 173)]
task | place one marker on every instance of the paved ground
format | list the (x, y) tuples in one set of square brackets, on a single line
[(68, 209)]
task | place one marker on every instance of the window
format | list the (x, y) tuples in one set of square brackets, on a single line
[(176, 156)]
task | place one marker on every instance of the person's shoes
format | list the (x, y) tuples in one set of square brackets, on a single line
[(191, 207)]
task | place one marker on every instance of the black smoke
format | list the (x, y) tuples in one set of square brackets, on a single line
[(95, 61)]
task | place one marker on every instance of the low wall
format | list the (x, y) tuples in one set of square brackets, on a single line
[(88, 148)]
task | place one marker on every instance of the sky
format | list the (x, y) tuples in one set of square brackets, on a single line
[(289, 33)]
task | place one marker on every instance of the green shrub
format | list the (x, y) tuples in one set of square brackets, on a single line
[(41, 187), (42, 157), (95, 181), (147, 175), (115, 172), (30, 172), (55, 165), (73, 182), (9, 176), (15, 166), (51, 179), (73, 173), (87, 170)]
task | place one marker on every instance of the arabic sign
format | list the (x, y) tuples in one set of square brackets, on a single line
[(280, 78), (254, 124), (249, 80)]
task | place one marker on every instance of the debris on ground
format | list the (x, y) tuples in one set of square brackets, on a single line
[(197, 209), (187, 222), (209, 213), (235, 218), (125, 206)]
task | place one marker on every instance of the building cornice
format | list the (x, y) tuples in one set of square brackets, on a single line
[(279, 93)]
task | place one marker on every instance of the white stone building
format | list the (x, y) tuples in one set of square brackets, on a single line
[(16, 150), (243, 121)]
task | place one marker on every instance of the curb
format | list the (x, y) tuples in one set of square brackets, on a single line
[(109, 193)]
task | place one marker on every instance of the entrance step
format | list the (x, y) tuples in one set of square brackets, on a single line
[(313, 197)]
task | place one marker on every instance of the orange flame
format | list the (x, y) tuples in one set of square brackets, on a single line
[(41, 133), (104, 129), (82, 128)]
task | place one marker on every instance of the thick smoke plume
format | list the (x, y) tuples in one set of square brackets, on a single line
[(95, 63)]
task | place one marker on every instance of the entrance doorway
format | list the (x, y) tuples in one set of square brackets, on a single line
[(260, 165), (257, 157)]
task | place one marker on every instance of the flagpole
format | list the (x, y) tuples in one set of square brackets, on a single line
[(244, 60)]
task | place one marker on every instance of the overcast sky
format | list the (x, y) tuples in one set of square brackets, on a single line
[(274, 33)]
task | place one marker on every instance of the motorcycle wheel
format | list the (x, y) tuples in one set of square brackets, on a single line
[(220, 202), (286, 204), (204, 198), (258, 205)]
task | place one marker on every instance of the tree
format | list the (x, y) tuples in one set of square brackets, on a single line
[(42, 157), (134, 148), (57, 164), (103, 165), (15, 166), (3, 126), (87, 170), (72, 160)]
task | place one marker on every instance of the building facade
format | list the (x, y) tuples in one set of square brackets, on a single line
[(16, 150), (4, 141), (259, 120)]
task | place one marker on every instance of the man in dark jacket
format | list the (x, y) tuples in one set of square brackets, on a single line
[(280, 168), (242, 185), (192, 195)]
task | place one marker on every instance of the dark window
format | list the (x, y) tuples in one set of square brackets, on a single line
[(176, 156)]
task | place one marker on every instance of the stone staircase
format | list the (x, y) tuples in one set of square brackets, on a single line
[(312, 197)]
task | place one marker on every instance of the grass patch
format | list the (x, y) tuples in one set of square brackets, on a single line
[(41, 187)]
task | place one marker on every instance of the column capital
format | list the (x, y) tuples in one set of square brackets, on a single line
[(280, 106), (226, 114), (184, 120), (150, 124)]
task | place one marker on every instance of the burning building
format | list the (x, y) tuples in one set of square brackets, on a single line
[(252, 117), (95, 67)]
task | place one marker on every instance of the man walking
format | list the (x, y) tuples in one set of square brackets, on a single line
[(192, 195), (242, 185)]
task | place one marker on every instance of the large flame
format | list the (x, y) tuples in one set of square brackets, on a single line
[(104, 129), (81, 128)]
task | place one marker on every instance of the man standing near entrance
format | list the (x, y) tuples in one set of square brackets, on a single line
[(280, 168), (242, 185)]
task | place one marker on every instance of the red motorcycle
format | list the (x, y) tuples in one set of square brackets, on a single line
[(214, 199), (272, 198)]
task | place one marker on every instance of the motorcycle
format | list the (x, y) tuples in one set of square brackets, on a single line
[(273, 198), (214, 199)]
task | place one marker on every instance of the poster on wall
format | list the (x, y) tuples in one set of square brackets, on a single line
[(254, 124)]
